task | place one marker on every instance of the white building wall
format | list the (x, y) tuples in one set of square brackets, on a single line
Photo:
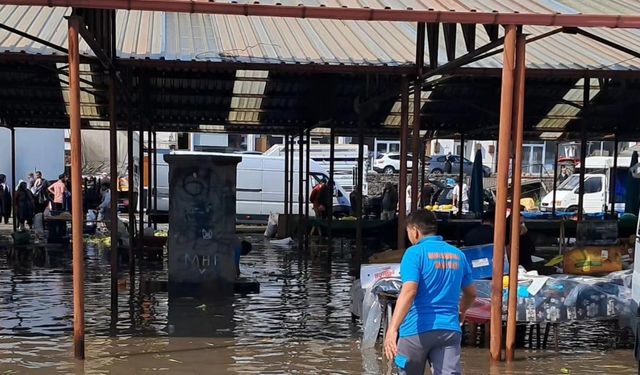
[(36, 149), (451, 146), (209, 139)]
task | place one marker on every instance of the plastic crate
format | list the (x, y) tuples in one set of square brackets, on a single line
[(480, 259)]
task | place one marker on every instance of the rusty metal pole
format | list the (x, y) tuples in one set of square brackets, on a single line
[(13, 178), (614, 176), (141, 188), (583, 145), (518, 121), (113, 182), (76, 188), (506, 103), (402, 185), (423, 162), (417, 106)]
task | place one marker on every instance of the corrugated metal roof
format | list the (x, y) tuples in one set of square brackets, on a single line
[(217, 38), (622, 13)]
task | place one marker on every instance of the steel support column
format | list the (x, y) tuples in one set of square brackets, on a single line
[(308, 175), (614, 176), (506, 106), (76, 188), (417, 107), (307, 188), (360, 170), (141, 189), (332, 171), (461, 175), (286, 182), (12, 188), (402, 185), (423, 162), (155, 176), (130, 196), (113, 186), (149, 172), (555, 180), (291, 172), (586, 92), (300, 184), (518, 122)]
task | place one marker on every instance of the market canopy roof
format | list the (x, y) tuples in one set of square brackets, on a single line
[(209, 72), (569, 13)]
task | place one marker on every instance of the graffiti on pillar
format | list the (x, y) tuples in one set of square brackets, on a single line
[(201, 263), (202, 220)]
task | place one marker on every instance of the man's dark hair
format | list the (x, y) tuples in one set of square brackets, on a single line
[(424, 221), (489, 217), (38, 172), (60, 177)]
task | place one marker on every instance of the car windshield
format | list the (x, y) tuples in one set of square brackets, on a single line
[(570, 183)]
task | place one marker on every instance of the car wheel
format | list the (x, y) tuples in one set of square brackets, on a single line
[(572, 209), (389, 170)]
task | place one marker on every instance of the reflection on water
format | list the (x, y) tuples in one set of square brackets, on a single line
[(299, 323)]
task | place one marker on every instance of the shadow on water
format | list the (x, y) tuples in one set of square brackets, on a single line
[(299, 322)]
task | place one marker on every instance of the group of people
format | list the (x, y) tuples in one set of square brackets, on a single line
[(35, 195), (389, 198), (31, 197)]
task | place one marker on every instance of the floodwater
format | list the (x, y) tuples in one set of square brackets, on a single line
[(299, 323)]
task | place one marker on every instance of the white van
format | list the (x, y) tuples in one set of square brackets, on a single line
[(596, 187), (595, 194), (259, 186), (345, 162)]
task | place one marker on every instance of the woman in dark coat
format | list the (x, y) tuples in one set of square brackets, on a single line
[(5, 199), (24, 205)]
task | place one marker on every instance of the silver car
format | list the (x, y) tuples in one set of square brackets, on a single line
[(437, 165)]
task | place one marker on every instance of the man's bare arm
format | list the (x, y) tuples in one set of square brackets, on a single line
[(468, 296)]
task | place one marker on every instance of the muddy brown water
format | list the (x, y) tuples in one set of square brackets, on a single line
[(299, 323)]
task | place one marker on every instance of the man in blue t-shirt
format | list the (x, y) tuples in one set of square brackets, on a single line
[(429, 309)]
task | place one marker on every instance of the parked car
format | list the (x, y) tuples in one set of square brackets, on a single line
[(436, 165), (390, 163)]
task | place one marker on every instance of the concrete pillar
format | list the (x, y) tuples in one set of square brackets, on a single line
[(202, 212)]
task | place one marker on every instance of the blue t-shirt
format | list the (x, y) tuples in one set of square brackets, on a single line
[(441, 271)]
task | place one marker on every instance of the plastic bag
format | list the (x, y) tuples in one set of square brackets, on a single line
[(372, 315), (357, 298), (91, 217), (272, 226), (372, 309)]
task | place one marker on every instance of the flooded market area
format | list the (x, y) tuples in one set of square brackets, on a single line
[(320, 187), (299, 323)]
